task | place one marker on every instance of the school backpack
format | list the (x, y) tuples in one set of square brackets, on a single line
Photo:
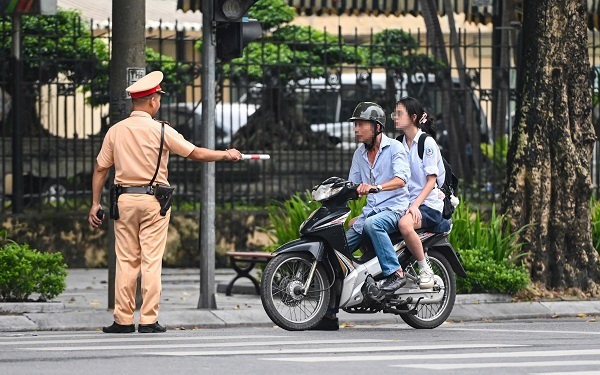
[(450, 185)]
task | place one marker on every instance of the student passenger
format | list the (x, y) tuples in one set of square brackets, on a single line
[(426, 204)]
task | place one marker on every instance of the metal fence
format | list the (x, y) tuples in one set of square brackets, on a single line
[(289, 98)]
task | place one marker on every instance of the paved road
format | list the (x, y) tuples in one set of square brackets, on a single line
[(83, 306), (552, 346)]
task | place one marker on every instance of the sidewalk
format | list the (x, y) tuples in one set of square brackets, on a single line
[(83, 306)]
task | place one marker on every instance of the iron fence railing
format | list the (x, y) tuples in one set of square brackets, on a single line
[(295, 109)]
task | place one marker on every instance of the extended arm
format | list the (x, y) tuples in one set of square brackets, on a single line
[(208, 155)]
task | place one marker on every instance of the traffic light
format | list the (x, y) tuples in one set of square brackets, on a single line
[(231, 10), (233, 28), (232, 37)]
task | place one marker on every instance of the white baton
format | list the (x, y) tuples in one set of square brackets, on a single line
[(256, 156)]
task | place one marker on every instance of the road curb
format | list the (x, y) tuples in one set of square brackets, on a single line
[(14, 308)]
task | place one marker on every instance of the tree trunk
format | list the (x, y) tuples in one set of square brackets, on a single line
[(474, 132), (30, 121), (435, 40), (276, 125), (501, 67), (549, 184)]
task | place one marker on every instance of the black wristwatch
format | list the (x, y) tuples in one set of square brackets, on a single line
[(379, 188)]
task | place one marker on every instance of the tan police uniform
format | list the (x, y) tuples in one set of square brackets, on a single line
[(132, 145)]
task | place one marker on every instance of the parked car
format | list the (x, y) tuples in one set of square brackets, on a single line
[(49, 190), (341, 100), (186, 118)]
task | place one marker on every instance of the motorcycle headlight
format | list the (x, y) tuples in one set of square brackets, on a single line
[(325, 191)]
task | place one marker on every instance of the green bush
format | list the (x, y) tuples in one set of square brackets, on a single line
[(595, 211), (356, 207), (485, 275), (470, 231), (286, 217), (490, 252), (25, 271)]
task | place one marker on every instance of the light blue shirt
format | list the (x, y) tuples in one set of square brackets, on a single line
[(432, 164), (391, 161)]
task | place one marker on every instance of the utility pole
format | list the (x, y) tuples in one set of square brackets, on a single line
[(127, 65), (17, 136), (206, 237), (236, 31)]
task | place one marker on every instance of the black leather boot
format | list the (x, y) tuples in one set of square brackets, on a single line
[(151, 328), (119, 328), (327, 324)]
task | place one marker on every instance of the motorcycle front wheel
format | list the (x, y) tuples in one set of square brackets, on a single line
[(432, 315), (281, 291)]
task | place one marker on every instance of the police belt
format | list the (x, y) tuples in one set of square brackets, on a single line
[(137, 190)]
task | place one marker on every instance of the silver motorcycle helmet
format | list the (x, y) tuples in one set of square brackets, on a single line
[(369, 111)]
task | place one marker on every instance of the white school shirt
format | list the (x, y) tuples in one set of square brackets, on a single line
[(432, 163)]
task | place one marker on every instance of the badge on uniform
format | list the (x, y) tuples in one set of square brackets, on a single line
[(429, 151)]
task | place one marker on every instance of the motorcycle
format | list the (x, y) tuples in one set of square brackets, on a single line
[(298, 283)]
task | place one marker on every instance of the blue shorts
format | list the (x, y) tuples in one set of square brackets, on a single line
[(431, 219)]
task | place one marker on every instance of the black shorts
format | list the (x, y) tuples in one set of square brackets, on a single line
[(430, 218)]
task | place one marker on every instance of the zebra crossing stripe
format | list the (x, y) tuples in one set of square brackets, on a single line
[(414, 357), (359, 349), (567, 373), (458, 366), (207, 345), (133, 338), (574, 333)]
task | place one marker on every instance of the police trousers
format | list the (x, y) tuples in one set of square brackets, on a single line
[(140, 240)]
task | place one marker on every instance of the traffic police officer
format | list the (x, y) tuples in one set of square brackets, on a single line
[(132, 146)]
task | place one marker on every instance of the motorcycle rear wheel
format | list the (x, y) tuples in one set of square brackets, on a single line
[(432, 315), (279, 292)]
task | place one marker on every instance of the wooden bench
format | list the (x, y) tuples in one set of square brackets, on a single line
[(250, 258)]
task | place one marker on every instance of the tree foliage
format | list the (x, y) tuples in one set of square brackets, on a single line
[(59, 44), (62, 48), (288, 54), (272, 13), (397, 50), (291, 53)]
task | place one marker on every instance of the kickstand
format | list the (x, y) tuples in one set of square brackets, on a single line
[(414, 311)]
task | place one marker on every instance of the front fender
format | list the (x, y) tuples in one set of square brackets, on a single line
[(313, 246)]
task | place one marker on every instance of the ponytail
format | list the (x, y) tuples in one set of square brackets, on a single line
[(425, 121), (427, 124)]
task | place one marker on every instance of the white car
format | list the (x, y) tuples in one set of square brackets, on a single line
[(186, 118), (342, 97)]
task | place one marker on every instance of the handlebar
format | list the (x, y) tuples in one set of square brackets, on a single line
[(354, 186)]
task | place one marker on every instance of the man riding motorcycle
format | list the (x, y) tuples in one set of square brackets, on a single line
[(379, 163)]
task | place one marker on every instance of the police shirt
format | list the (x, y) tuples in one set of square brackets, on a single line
[(132, 145), (432, 164)]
